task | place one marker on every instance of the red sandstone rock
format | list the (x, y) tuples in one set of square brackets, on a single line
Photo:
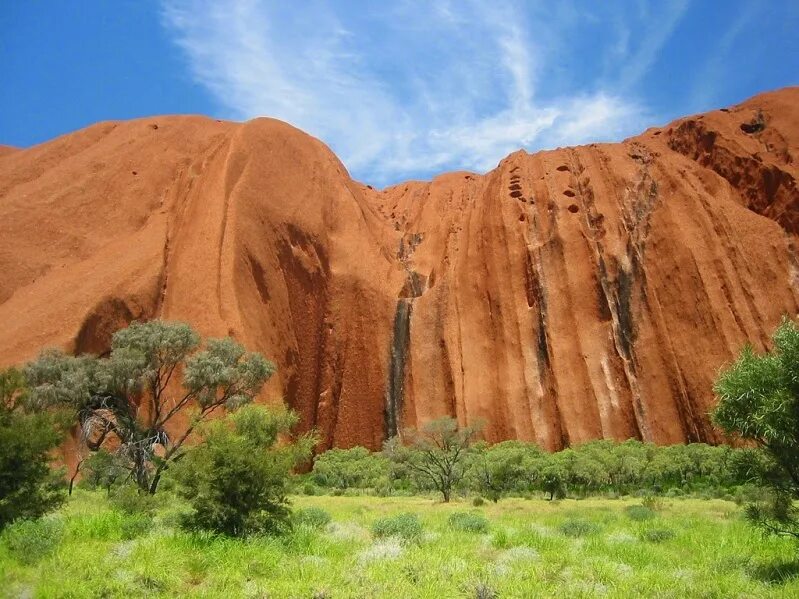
[(566, 295)]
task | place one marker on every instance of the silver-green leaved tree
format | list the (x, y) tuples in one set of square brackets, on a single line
[(145, 399)]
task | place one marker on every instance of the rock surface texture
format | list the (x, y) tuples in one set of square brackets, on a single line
[(564, 296)]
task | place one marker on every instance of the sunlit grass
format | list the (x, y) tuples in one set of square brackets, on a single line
[(530, 548)]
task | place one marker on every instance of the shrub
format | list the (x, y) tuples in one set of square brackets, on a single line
[(313, 517), (656, 535), (478, 501), (31, 540), (653, 503), (468, 522), (639, 512), (28, 487), (129, 500), (759, 402), (403, 526), (237, 480), (578, 528), (136, 526)]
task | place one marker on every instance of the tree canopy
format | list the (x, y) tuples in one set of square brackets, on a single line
[(130, 400)]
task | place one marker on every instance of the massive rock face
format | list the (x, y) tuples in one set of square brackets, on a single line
[(564, 296)]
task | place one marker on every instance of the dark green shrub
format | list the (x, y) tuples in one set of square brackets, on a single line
[(656, 535), (578, 528), (468, 522), (478, 501), (28, 486), (403, 526), (759, 402), (313, 517), (31, 540), (639, 513), (237, 480), (129, 500)]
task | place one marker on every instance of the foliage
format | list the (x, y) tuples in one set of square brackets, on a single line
[(639, 513), (713, 554), (436, 455), (405, 526), (497, 469), (236, 480), (657, 535), (759, 402), (314, 517), (468, 522), (516, 468), (28, 486), (356, 467), (578, 527), (128, 500), (103, 470), (31, 540), (131, 398)]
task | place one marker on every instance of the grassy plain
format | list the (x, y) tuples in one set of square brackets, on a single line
[(530, 548)]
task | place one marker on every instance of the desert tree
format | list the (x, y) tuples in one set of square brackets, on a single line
[(436, 454), (759, 402), (145, 399)]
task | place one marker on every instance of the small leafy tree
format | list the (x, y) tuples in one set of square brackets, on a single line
[(498, 469), (132, 398), (553, 478), (236, 480), (28, 486), (436, 454), (759, 402)]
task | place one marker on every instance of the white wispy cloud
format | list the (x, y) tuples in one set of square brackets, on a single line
[(412, 88)]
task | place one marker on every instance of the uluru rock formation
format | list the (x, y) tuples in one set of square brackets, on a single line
[(566, 295)]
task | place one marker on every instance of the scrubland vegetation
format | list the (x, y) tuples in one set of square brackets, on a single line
[(360, 546), (435, 513)]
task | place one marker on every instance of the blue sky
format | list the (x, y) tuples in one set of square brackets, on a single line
[(401, 89)]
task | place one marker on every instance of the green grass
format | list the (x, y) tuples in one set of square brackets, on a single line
[(689, 548)]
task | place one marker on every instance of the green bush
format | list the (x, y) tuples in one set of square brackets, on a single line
[(639, 513), (129, 500), (31, 540), (237, 480), (656, 535), (310, 489), (478, 501), (313, 517), (578, 528), (29, 488), (468, 522), (403, 526), (136, 525)]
